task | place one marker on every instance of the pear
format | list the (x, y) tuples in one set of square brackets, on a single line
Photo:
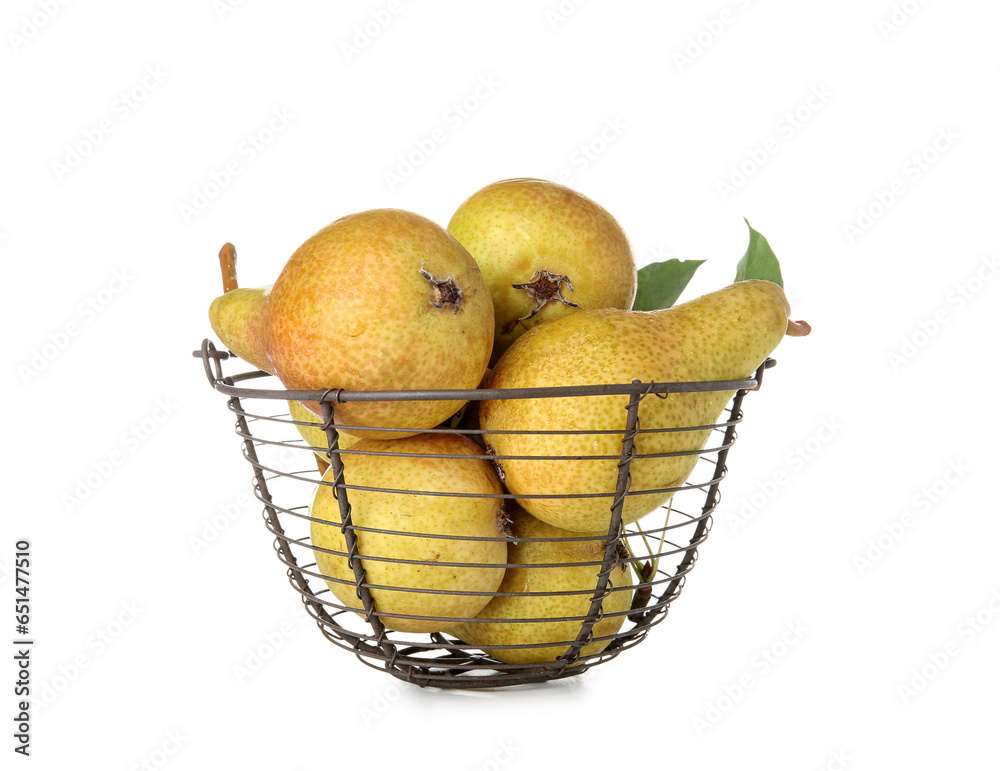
[(381, 300), (541, 585), (545, 251), (724, 335), (398, 526), (238, 315)]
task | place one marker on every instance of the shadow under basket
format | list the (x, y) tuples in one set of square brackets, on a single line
[(661, 547)]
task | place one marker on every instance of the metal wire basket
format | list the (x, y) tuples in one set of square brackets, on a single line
[(661, 548)]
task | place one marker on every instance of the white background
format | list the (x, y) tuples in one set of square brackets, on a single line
[(892, 390)]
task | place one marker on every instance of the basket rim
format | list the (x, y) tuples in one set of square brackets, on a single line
[(227, 385)]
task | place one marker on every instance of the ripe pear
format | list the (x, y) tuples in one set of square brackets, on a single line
[(314, 434), (471, 563), (380, 300), (540, 585), (545, 251), (724, 335), (238, 315)]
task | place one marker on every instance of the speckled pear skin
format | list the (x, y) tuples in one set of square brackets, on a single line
[(724, 335), (529, 575), (352, 310), (517, 226), (237, 318), (478, 517)]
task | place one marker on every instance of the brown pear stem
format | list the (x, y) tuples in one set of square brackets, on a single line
[(227, 261), (798, 328)]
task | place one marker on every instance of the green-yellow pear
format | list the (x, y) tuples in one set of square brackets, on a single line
[(724, 335), (544, 250), (237, 316), (459, 574), (540, 585)]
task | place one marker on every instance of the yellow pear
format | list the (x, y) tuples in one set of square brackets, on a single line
[(238, 315), (459, 573), (542, 586), (381, 300), (724, 335), (544, 250)]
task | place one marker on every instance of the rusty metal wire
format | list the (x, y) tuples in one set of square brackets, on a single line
[(662, 547)]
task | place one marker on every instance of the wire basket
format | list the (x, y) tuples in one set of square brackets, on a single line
[(607, 617)]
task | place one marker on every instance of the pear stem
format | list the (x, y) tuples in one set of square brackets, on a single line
[(798, 328), (227, 261)]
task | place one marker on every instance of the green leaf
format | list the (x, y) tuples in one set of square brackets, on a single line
[(759, 261), (661, 283)]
